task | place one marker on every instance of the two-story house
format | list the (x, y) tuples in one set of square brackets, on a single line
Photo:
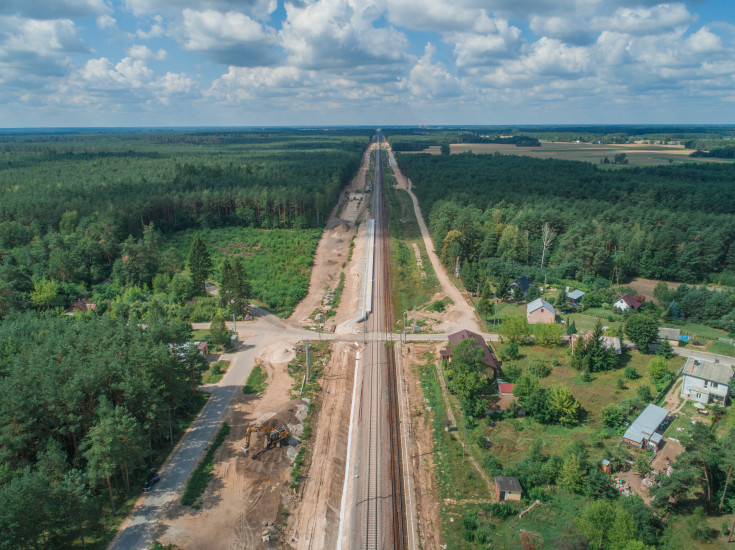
[(706, 381)]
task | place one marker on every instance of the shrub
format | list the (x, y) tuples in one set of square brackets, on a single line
[(512, 372), (511, 351), (620, 383), (501, 510), (644, 393), (631, 373), (539, 369), (697, 526), (612, 416)]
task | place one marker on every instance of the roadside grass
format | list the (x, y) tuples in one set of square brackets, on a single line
[(216, 371), (257, 381), (410, 289), (200, 335), (198, 481), (337, 296), (320, 352), (721, 348)]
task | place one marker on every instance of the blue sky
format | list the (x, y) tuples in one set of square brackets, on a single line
[(325, 62)]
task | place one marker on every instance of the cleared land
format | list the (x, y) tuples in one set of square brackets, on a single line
[(637, 154)]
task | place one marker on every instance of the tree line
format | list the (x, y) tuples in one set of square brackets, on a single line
[(666, 222)]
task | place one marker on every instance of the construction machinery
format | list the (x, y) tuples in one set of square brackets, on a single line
[(273, 436)]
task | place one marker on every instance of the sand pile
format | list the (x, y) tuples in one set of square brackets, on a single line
[(277, 458), (341, 228)]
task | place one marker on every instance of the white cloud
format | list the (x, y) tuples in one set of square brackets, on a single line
[(703, 41), (106, 22), (155, 31), (644, 21), (241, 83), (138, 51), (230, 38), (498, 42), (256, 8), (428, 80), (53, 9), (35, 47), (339, 34)]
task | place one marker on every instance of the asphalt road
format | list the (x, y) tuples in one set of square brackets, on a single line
[(142, 527)]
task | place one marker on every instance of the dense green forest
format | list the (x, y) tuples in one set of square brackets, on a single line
[(668, 222), (80, 211), (135, 223), (87, 404)]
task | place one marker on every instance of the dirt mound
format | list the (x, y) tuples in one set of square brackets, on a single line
[(341, 228), (277, 458)]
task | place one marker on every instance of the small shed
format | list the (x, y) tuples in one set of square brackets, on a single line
[(606, 466), (202, 347), (505, 388), (507, 488), (575, 296), (670, 334)]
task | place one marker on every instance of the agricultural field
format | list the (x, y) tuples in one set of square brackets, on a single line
[(636, 154)]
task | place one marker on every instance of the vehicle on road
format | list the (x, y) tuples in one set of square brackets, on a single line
[(151, 479)]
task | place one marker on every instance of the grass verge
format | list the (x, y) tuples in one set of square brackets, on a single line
[(216, 371), (197, 483), (257, 381)]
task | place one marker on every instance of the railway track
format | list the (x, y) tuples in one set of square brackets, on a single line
[(383, 360)]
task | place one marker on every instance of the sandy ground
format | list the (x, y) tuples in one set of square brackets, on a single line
[(244, 493), (646, 286), (333, 250), (314, 518), (426, 492)]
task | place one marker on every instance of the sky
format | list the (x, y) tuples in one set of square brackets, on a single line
[(367, 62)]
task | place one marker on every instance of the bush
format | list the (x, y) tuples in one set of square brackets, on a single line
[(620, 383), (539, 369), (631, 373), (644, 393), (511, 351), (501, 510), (492, 465), (697, 526), (512, 372), (612, 416)]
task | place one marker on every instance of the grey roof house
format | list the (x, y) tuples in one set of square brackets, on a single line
[(706, 381), (646, 432)]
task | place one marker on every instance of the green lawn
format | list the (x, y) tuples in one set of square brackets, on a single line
[(721, 348), (257, 381), (410, 289), (697, 330), (216, 371)]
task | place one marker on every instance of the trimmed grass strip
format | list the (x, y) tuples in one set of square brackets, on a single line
[(199, 480), (257, 381)]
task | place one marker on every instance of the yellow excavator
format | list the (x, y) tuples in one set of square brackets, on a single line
[(273, 436)]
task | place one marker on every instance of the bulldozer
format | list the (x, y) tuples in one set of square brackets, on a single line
[(273, 436)]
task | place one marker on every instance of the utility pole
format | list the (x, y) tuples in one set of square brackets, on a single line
[(307, 360), (234, 322)]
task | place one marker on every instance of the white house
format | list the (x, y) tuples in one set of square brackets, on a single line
[(706, 381), (626, 301)]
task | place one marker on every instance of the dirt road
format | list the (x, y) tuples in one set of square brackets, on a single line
[(461, 314)]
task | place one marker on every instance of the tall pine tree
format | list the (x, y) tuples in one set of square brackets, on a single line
[(200, 263)]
